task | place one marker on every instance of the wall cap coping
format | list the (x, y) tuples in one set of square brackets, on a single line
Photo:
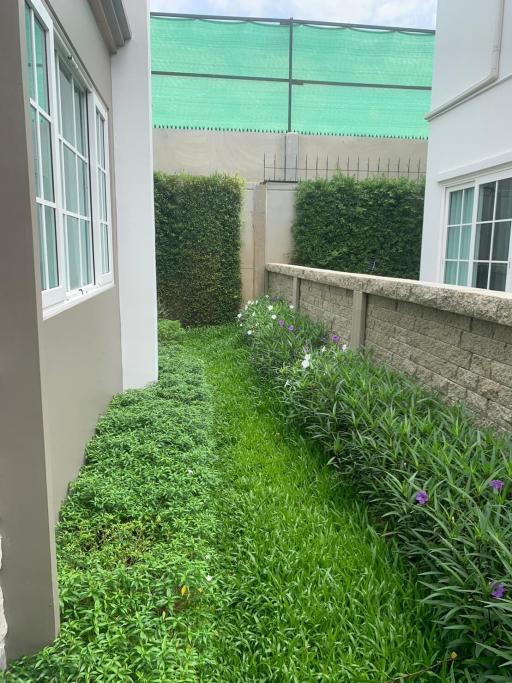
[(495, 307)]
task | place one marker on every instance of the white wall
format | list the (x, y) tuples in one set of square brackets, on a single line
[(133, 153), (476, 135)]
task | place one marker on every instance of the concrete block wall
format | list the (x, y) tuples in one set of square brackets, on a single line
[(456, 341)]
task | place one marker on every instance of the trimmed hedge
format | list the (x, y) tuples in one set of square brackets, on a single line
[(344, 224), (436, 484), (198, 225)]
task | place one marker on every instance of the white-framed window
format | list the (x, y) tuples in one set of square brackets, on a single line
[(478, 230), (71, 158)]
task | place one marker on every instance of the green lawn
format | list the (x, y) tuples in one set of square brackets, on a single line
[(310, 591), (202, 543)]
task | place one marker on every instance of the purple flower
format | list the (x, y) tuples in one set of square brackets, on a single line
[(274, 298), (497, 484), (422, 497), (335, 338), (291, 328), (497, 590), (281, 323)]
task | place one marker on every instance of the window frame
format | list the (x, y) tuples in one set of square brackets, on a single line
[(57, 294), (96, 106), (475, 181), (61, 297)]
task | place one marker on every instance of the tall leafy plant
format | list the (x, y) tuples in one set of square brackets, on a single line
[(360, 226), (198, 225)]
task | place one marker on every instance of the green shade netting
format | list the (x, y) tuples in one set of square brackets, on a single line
[(219, 47), (320, 53), (362, 56)]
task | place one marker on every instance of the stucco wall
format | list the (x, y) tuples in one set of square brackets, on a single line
[(474, 136), (81, 346), (454, 340), (202, 152)]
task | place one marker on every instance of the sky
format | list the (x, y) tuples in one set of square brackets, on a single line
[(410, 13)]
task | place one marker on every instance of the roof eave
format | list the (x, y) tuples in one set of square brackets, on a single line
[(112, 21)]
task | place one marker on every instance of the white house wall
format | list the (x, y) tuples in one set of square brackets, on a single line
[(476, 135)]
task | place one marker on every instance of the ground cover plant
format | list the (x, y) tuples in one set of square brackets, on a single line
[(197, 226), (202, 543), (136, 541), (436, 485), (360, 226)]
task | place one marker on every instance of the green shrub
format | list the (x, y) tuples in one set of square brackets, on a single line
[(435, 484), (198, 225), (136, 539), (343, 224)]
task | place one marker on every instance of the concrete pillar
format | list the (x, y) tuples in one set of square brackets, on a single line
[(259, 236), (296, 293), (358, 331), (28, 571), (291, 156), (133, 152)]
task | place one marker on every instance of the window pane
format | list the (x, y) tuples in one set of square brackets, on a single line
[(498, 276), (66, 105), (501, 241), (465, 241), (480, 275), (105, 249), (102, 188), (41, 69), (483, 242), (70, 179), (35, 148), (486, 202), (504, 203), (450, 273), (83, 188), (100, 133), (86, 245), (452, 242), (30, 56), (462, 278), (455, 207), (467, 212), (73, 243), (81, 130), (51, 247), (42, 250), (46, 157)]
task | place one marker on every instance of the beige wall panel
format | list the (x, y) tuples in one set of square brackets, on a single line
[(81, 369)]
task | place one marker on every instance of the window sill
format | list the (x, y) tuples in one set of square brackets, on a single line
[(51, 311)]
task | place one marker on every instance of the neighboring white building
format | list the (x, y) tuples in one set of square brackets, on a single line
[(77, 269), (468, 202)]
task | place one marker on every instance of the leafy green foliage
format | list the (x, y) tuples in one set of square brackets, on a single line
[(343, 224), (434, 483), (310, 592), (198, 225), (136, 541)]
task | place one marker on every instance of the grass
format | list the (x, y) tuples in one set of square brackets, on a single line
[(310, 591), (202, 543)]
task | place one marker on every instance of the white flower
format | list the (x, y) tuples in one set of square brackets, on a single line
[(267, 296), (190, 471), (270, 308), (292, 306), (207, 557), (322, 350), (209, 578), (273, 316), (239, 315), (344, 347), (249, 332), (241, 324), (305, 363), (307, 356)]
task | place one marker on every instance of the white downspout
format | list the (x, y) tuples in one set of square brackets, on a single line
[(488, 80)]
